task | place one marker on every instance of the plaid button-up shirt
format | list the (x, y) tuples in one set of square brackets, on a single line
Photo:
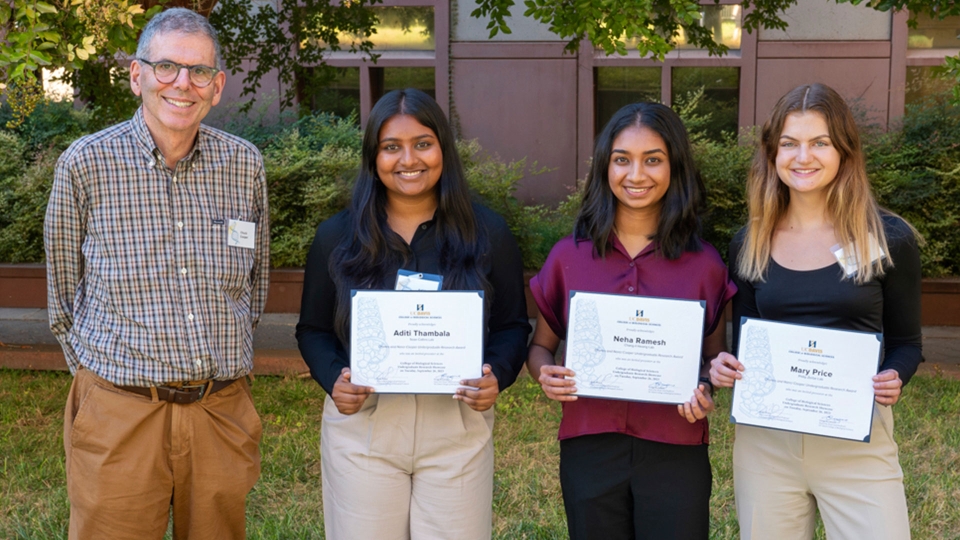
[(142, 287)]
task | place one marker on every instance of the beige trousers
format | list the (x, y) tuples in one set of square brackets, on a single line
[(407, 467), (781, 479), (131, 460)]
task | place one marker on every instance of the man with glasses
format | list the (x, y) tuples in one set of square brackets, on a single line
[(157, 248)]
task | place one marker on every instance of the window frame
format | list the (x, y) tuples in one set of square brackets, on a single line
[(902, 57)]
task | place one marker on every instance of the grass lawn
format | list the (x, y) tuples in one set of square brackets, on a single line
[(286, 501)]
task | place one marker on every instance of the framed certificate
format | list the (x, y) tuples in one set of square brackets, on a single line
[(806, 379), (634, 347), (415, 342)]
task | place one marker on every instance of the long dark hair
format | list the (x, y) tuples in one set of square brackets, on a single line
[(678, 229), (363, 259)]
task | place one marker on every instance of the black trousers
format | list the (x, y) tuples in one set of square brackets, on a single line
[(620, 487)]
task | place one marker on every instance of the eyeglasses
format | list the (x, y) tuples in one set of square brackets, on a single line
[(167, 72)]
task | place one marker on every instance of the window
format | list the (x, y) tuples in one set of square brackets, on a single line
[(383, 80), (411, 41), (934, 34), (618, 86), (725, 21), (341, 96), (927, 45), (923, 82), (620, 80), (721, 95), (401, 28)]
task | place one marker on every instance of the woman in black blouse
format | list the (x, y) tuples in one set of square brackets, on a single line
[(394, 465), (809, 194)]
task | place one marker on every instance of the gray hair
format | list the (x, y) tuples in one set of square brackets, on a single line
[(177, 20)]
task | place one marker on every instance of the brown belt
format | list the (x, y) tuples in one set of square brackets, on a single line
[(184, 395)]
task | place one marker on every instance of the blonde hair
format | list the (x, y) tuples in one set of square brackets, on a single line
[(851, 207)]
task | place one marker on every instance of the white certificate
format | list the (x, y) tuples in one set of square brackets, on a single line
[(806, 379), (416, 342), (634, 347)]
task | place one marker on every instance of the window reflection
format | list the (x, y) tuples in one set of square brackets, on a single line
[(400, 29), (925, 81), (721, 96), (383, 80), (934, 34), (619, 86), (339, 96), (724, 22)]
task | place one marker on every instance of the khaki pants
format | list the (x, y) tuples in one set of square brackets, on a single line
[(130, 459), (781, 479), (407, 466)]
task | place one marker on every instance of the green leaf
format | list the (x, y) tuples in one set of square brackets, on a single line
[(41, 58), (43, 7), (18, 72)]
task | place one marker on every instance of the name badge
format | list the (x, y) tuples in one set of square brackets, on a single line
[(417, 281), (241, 233), (848, 260)]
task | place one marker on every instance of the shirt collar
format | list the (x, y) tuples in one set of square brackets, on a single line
[(142, 132), (618, 246)]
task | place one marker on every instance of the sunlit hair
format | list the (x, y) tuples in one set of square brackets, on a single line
[(362, 258), (180, 20), (850, 205), (678, 228)]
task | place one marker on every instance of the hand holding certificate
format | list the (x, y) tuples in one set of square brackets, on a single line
[(634, 347), (414, 342), (806, 379)]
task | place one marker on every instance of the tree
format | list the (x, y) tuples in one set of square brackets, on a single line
[(291, 40), (85, 36), (61, 34), (606, 24)]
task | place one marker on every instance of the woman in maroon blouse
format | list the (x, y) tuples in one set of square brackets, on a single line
[(632, 469)]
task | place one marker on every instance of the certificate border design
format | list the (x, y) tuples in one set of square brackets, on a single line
[(372, 348), (588, 350), (759, 381)]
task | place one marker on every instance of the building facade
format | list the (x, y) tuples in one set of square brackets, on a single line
[(522, 96)]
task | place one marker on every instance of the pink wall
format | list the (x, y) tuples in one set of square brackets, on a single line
[(520, 107)]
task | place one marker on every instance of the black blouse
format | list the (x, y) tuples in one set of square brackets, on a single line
[(507, 329), (889, 304)]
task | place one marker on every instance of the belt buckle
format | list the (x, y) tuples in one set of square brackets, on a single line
[(202, 387)]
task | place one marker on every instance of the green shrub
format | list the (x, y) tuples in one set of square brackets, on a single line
[(915, 172), (724, 168), (23, 200), (53, 123), (310, 169), (494, 183), (311, 165)]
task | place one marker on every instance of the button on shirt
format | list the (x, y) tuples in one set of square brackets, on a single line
[(574, 266), (142, 287)]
